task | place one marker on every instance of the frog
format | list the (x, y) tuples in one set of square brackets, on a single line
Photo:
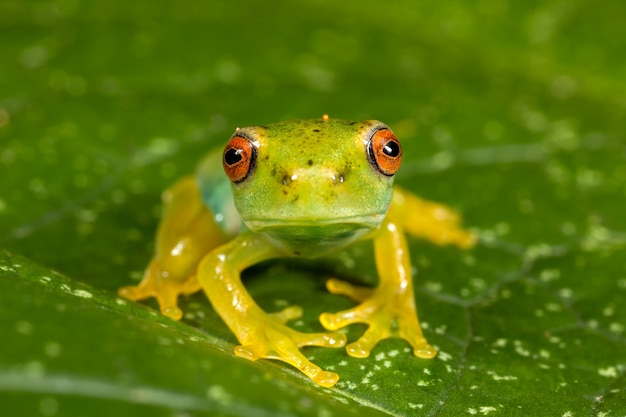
[(297, 189)]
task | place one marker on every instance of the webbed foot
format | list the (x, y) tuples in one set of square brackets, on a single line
[(164, 289), (388, 314), (265, 336)]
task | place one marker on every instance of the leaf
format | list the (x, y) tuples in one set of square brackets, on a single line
[(69, 342), (511, 112)]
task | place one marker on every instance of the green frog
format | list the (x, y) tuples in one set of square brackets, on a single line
[(303, 189)]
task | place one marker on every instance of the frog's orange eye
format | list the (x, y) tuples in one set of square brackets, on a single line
[(384, 152), (239, 158)]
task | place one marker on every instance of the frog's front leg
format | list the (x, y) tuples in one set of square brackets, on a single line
[(389, 309), (261, 335)]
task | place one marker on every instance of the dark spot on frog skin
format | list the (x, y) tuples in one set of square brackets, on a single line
[(310, 162), (316, 130), (297, 252)]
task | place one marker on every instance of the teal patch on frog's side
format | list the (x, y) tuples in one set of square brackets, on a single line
[(216, 193)]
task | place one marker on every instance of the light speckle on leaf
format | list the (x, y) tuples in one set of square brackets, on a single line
[(609, 372), (24, 327), (52, 349), (48, 406), (82, 293), (219, 394), (497, 377)]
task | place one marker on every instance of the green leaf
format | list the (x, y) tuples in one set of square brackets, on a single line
[(513, 113), (68, 342)]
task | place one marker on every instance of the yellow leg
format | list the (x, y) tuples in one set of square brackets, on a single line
[(186, 233), (389, 310), (261, 335), (429, 220)]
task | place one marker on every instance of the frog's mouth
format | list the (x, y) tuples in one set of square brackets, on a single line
[(314, 237)]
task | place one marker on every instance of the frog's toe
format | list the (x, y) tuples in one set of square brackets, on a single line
[(355, 292), (458, 237), (326, 379), (168, 303), (363, 347), (359, 349), (358, 314), (336, 321), (132, 293), (172, 312), (424, 350), (246, 352), (331, 340), (289, 313), (421, 348), (138, 292)]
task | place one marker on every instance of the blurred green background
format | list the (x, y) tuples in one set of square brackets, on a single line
[(511, 112)]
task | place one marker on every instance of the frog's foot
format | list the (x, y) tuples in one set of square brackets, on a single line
[(433, 221), (164, 289), (456, 236), (388, 314), (446, 230), (266, 337)]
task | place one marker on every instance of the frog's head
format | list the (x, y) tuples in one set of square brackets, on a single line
[(321, 179)]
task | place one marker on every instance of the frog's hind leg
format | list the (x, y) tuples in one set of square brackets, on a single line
[(186, 233), (429, 220)]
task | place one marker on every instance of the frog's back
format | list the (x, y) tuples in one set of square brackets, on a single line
[(216, 193)]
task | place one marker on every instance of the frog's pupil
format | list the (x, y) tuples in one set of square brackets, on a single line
[(232, 156), (391, 149)]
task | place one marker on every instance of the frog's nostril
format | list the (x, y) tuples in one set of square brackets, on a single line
[(289, 178), (337, 177)]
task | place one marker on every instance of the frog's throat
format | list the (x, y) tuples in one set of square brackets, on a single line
[(311, 238)]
